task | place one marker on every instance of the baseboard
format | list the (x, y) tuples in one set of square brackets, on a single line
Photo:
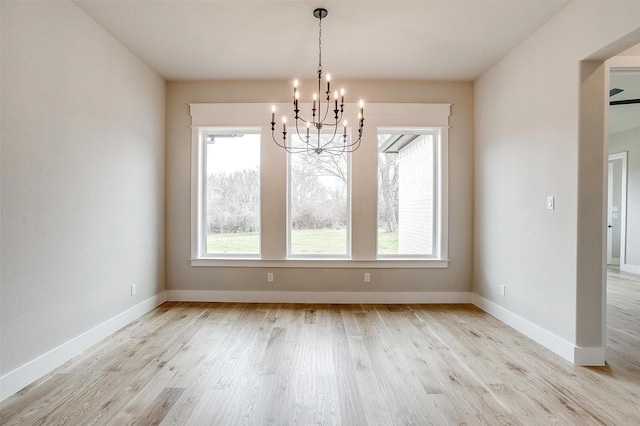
[(568, 351), (630, 269), (318, 297), (590, 356), (22, 376)]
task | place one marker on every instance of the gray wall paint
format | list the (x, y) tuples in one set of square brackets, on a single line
[(82, 213), (181, 276), (630, 141), (539, 132)]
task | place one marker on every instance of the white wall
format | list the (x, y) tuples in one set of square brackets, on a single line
[(82, 169), (540, 132), (182, 276)]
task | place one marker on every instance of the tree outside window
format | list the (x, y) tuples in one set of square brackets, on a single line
[(232, 189), (318, 204)]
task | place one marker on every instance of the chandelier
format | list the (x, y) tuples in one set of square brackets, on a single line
[(311, 139)]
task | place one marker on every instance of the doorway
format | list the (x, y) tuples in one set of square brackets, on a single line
[(616, 207), (623, 184), (622, 188)]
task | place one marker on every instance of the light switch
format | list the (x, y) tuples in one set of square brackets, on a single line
[(550, 203), (615, 215)]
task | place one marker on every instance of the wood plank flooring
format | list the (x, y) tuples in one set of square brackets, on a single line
[(284, 364)]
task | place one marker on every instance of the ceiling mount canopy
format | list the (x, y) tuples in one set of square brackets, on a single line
[(319, 133), (320, 13)]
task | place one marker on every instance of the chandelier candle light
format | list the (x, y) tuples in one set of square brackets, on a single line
[(313, 143)]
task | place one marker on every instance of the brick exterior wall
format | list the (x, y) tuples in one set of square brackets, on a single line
[(415, 197)]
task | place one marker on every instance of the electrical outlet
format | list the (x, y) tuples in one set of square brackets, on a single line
[(367, 277), (133, 289), (270, 277), (502, 290)]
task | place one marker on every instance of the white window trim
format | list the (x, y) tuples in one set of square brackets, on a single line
[(201, 160), (315, 256), (274, 255), (440, 174), (325, 263)]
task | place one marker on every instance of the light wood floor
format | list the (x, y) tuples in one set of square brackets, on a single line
[(281, 364)]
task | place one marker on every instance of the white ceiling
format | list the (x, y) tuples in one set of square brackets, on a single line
[(625, 117), (393, 39), (361, 39)]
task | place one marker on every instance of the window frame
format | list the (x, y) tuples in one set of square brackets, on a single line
[(328, 256), (363, 184), (437, 171), (203, 132)]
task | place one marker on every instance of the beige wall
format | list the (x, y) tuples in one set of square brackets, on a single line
[(540, 132), (82, 178), (182, 276)]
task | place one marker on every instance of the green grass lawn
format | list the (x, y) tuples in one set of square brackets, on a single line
[(307, 241), (387, 242), (240, 242), (319, 241)]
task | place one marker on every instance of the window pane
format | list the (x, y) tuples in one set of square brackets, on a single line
[(406, 194), (318, 204), (232, 188)]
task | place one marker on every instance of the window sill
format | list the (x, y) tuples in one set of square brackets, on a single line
[(323, 263)]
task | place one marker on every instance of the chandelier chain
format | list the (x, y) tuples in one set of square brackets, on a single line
[(320, 46)]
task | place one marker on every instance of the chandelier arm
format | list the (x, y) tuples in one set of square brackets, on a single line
[(360, 127), (335, 150), (355, 144), (342, 149), (337, 121), (335, 130), (336, 153), (352, 144), (278, 143), (273, 125), (339, 150), (288, 148), (298, 133), (292, 149), (326, 113)]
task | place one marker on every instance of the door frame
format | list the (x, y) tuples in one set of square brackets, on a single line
[(622, 156), (610, 171)]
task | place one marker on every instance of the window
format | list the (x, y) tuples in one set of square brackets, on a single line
[(407, 192), (318, 204), (230, 197), (384, 206)]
